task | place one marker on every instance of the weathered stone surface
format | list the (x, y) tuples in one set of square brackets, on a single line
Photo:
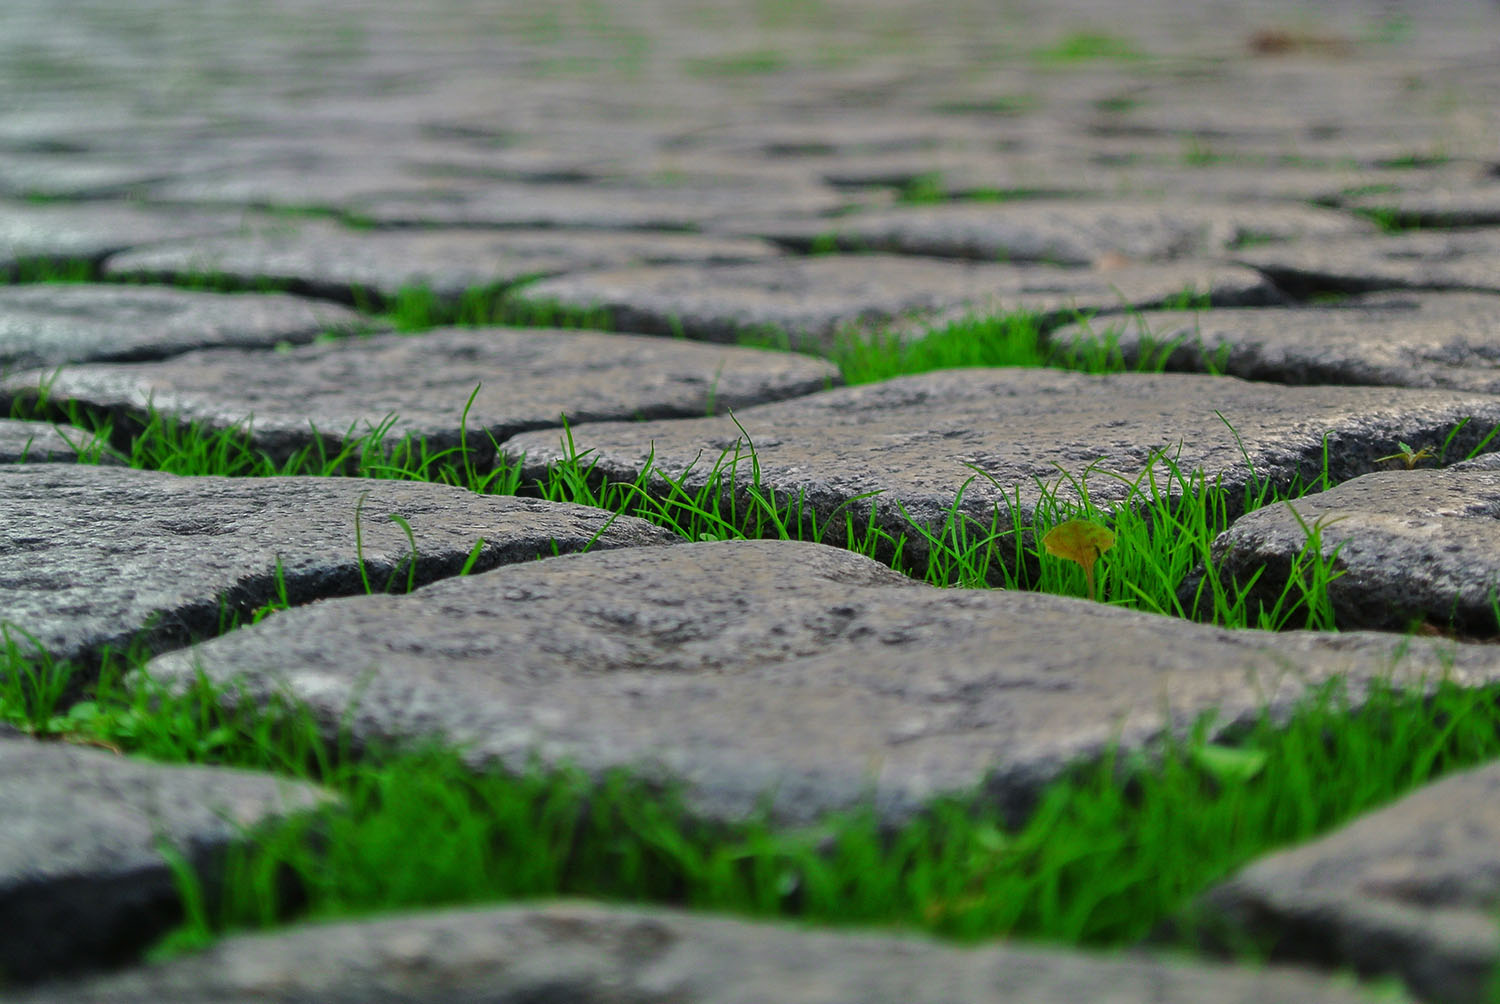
[(46, 325), (918, 440), (640, 205), (804, 674), (326, 259), (57, 232), (82, 880), (1410, 544), (530, 378), (38, 442), (1473, 205), (809, 299), (1406, 339), (578, 953), (1061, 232), (1468, 260), (1411, 889), (94, 556)]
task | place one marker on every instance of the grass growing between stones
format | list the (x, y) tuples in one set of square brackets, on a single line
[(1165, 519), (1109, 855)]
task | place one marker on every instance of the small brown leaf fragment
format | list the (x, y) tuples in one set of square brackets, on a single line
[(1080, 542)]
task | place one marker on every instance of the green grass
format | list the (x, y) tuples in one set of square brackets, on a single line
[(1088, 46), (1109, 854)]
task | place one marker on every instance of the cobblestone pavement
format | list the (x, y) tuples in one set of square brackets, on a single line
[(216, 213)]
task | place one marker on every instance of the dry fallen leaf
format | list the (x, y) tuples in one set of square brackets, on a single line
[(1081, 542)]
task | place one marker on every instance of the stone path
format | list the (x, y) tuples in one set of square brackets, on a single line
[(1298, 214)]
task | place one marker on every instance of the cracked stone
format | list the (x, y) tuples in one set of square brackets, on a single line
[(89, 231), (528, 378), (82, 881), (38, 442), (1410, 889), (810, 300), (579, 951), (1405, 339), (804, 675), (919, 440), (50, 324), (325, 259), (1061, 232), (1463, 260), (93, 557), (1411, 545)]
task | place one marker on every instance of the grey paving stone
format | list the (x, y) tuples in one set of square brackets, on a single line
[(1403, 339), (82, 880), (50, 324), (666, 205), (1062, 232), (579, 953), (325, 259), (1410, 889), (918, 440), (38, 442), (93, 556), (805, 675), (308, 181), (1465, 260), (62, 232), (1473, 205), (528, 378), (811, 299), (55, 175), (1410, 544)]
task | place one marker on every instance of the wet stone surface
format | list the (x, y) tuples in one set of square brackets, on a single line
[(82, 881), (327, 259), (63, 323), (1412, 546), (1462, 260), (527, 378), (38, 442), (805, 675), (1061, 232), (91, 556), (1400, 339), (576, 952), (1411, 888), (811, 299), (918, 440)]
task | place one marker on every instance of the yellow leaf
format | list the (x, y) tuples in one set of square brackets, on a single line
[(1081, 542)]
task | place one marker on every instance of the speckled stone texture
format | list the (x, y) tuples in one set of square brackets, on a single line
[(92, 556), (327, 259), (82, 879), (798, 676), (810, 300), (583, 953), (920, 440), (1408, 546), (37, 442), (527, 378), (1061, 232), (1460, 260), (1412, 888), (1401, 339), (46, 325)]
